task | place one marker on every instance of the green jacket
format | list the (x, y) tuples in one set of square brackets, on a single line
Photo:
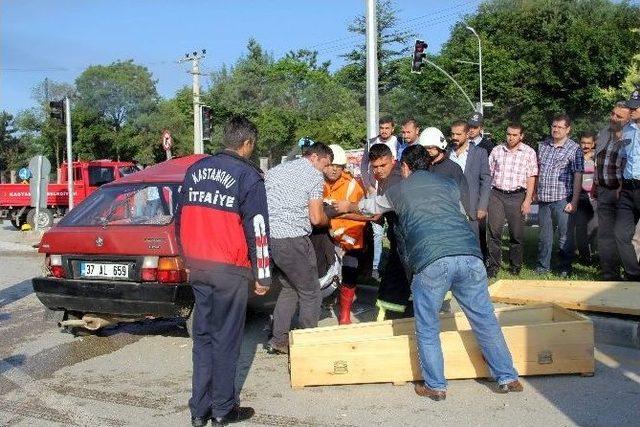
[(430, 224)]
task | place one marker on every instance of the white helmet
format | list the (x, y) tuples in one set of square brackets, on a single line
[(432, 137), (339, 156)]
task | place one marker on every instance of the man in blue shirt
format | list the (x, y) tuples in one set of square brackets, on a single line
[(629, 202)]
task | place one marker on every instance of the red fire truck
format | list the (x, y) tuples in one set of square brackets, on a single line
[(15, 199)]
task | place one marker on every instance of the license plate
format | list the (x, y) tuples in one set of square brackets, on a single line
[(110, 271)]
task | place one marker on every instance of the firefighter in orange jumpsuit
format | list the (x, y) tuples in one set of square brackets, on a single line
[(347, 231)]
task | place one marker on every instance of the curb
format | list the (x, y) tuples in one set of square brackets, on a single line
[(616, 331)]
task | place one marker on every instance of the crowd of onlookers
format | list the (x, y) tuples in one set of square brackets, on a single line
[(586, 191), (578, 185)]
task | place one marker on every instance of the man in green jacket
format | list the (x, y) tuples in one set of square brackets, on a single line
[(442, 252)]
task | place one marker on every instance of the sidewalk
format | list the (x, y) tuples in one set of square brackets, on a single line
[(12, 240)]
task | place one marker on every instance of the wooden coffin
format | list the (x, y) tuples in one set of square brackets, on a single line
[(543, 339), (608, 297)]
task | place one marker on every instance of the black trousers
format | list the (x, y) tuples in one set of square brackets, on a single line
[(607, 247), (395, 289), (295, 260), (482, 234), (627, 216), (586, 224), (505, 207), (218, 325)]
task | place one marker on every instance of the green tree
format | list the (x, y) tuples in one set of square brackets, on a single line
[(544, 57), (118, 92), (393, 43), (287, 98), (11, 148), (113, 97)]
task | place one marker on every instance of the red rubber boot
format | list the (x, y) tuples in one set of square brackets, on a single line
[(346, 299)]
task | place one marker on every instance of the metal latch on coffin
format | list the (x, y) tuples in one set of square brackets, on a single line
[(545, 357), (340, 367)]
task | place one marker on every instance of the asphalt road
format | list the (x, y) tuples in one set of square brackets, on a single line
[(140, 374)]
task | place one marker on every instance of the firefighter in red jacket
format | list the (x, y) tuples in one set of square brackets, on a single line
[(222, 225)]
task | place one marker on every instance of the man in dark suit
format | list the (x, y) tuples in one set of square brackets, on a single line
[(475, 165), (480, 140), (476, 133)]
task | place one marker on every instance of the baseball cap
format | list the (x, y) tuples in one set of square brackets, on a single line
[(475, 120), (634, 100)]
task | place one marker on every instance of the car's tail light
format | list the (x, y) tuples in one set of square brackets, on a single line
[(163, 270), (54, 263), (171, 270)]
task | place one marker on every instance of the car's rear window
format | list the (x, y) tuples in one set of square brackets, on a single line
[(128, 204)]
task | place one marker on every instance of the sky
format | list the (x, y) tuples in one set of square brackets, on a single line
[(60, 39)]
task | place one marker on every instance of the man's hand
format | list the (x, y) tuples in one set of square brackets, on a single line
[(525, 209), (570, 208), (260, 290), (481, 214), (343, 206)]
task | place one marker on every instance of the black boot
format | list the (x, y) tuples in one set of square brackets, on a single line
[(236, 415)]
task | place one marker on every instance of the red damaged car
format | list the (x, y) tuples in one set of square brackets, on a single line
[(115, 257)]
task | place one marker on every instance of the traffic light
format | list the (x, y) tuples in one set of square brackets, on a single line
[(207, 121), (56, 110), (419, 53)]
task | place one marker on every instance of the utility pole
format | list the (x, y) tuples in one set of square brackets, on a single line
[(373, 105), (195, 57)]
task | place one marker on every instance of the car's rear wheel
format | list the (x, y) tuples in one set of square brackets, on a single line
[(44, 219)]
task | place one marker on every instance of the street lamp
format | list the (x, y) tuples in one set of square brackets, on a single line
[(481, 106)]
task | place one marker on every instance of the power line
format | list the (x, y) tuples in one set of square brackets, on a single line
[(434, 22), (431, 15)]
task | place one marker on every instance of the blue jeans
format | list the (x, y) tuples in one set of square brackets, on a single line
[(548, 213), (378, 232), (466, 277)]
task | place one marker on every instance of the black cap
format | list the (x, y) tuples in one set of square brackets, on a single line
[(634, 100), (475, 120)]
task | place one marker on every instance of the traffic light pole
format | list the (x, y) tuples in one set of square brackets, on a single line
[(373, 105), (67, 108), (473, 107)]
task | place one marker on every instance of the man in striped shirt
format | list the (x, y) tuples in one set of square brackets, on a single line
[(294, 199), (514, 168)]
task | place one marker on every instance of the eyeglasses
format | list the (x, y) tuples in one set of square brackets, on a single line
[(558, 127)]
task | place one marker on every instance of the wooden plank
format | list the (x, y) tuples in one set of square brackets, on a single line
[(608, 297), (559, 342)]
